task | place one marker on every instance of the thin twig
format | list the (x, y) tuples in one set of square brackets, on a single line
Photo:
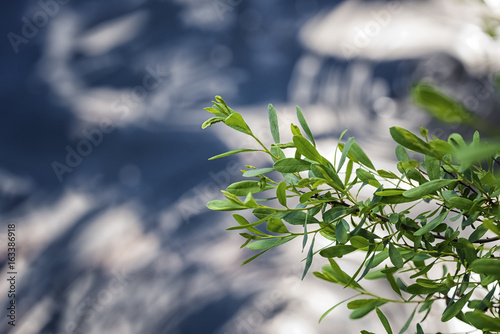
[(406, 227), (498, 162), (460, 181), (486, 240)]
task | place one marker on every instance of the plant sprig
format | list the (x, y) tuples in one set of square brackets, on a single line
[(304, 190)]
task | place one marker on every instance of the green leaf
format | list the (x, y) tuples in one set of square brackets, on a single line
[(305, 234), (295, 130), (299, 217), (221, 205), (457, 141), (397, 199), (409, 165), (482, 321), (307, 182), (428, 188), (410, 141), (441, 148), (460, 203), (455, 308), (359, 242), (360, 155), (249, 226), (221, 101), (423, 271), (211, 121), (419, 329), (305, 148), (375, 274), (264, 213), (219, 110), (309, 259), (432, 224), (476, 140), (257, 172), (486, 299), (395, 256), (387, 174), (253, 257), (364, 310), (367, 267), (486, 266), (415, 174), (487, 280), (242, 188), (333, 307), (426, 306), (273, 122), (269, 243), (390, 192), (367, 177), (442, 106), (417, 289), (490, 179), (337, 251), (276, 225), (358, 303), (348, 171), (291, 165), (243, 222), (221, 106), (329, 175), (335, 213), (327, 231), (471, 154), (341, 231), (490, 225), (424, 132), (281, 193), (465, 251), (408, 322), (277, 152), (236, 121), (384, 320), (304, 125), (432, 167), (250, 201), (342, 278), (232, 197), (401, 154), (290, 178), (215, 111), (389, 273), (305, 197), (345, 150), (234, 152)]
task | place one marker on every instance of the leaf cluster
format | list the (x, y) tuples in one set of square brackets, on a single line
[(429, 228)]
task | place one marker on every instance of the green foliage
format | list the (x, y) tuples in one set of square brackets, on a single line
[(439, 208)]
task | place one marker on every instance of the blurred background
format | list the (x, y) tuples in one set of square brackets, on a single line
[(103, 164)]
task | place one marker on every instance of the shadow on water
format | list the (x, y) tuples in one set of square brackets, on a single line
[(121, 242), (120, 257)]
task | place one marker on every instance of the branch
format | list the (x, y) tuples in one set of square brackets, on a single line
[(459, 181), (495, 159), (486, 240), (383, 218), (406, 227)]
